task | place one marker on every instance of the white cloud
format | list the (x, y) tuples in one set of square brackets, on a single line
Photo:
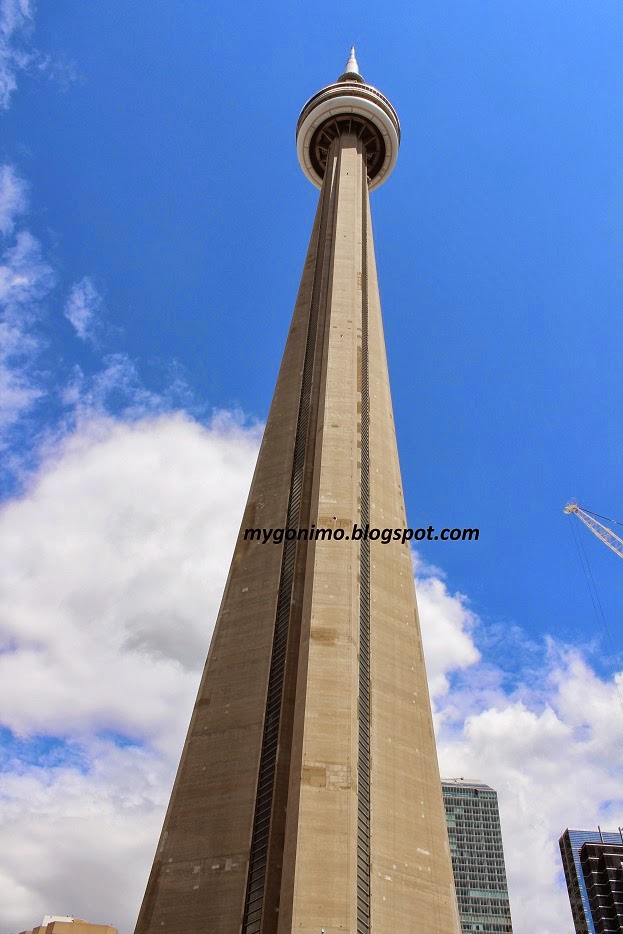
[(83, 307), (25, 276), (16, 17), (117, 386), (128, 534), (449, 624), (63, 832), (17, 55), (13, 198), (25, 279)]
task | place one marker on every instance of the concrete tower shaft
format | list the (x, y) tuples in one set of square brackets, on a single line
[(308, 795)]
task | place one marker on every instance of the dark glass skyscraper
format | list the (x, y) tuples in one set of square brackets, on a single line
[(592, 863), (603, 874), (477, 854)]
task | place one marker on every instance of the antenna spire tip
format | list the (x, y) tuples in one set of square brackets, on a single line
[(351, 71)]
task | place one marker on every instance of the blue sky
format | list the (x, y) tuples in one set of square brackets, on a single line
[(155, 225), (166, 171)]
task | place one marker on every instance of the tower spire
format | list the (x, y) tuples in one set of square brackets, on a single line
[(351, 71)]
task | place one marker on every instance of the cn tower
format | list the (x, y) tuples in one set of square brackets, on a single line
[(308, 796)]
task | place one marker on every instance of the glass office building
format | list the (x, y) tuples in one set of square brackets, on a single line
[(605, 881), (475, 838)]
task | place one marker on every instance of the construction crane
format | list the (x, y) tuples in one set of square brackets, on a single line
[(602, 532), (615, 544)]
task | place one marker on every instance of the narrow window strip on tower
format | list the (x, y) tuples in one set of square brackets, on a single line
[(363, 779)]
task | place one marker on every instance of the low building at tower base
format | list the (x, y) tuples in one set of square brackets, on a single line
[(64, 924)]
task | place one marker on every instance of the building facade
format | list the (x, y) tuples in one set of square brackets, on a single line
[(312, 734), (603, 876), (592, 864), (475, 835)]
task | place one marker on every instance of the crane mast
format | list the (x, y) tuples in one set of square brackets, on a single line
[(602, 532)]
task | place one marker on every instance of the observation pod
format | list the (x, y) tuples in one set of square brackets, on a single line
[(348, 106)]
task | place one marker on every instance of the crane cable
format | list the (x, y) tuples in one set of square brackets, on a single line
[(598, 516), (597, 606)]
